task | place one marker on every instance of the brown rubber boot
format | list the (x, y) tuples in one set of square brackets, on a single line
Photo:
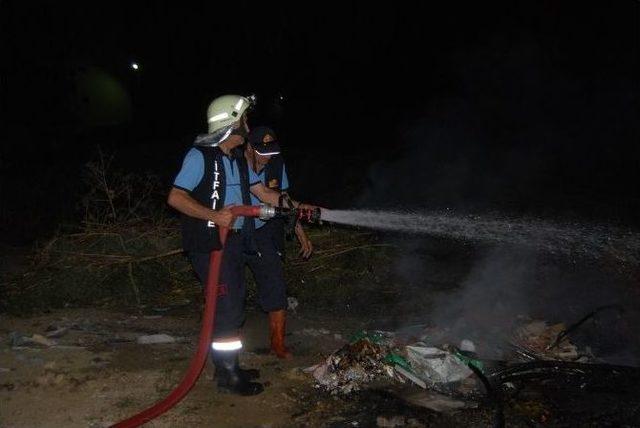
[(277, 326)]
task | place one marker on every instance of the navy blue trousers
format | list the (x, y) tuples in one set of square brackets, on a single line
[(267, 268)]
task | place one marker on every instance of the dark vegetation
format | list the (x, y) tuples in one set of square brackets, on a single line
[(124, 251)]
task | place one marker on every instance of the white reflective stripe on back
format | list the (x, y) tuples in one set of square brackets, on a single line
[(239, 104), (218, 117), (267, 153), (226, 346)]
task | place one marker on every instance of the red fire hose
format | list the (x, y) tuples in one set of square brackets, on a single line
[(206, 331)]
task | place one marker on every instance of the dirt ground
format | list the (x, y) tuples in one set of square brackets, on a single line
[(96, 374)]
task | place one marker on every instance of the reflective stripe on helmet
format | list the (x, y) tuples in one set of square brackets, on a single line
[(218, 117)]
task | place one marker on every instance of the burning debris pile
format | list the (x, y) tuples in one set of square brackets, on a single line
[(430, 362), (537, 363), (539, 341), (353, 365), (385, 355)]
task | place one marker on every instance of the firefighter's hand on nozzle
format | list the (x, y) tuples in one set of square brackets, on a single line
[(306, 206), (223, 217), (308, 213)]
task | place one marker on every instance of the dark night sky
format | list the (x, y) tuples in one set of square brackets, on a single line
[(521, 103)]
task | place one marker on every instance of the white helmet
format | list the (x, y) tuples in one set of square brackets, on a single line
[(222, 115)]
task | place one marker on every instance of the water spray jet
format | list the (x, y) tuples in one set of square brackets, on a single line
[(574, 239)]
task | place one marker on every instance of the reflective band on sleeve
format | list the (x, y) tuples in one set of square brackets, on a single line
[(218, 117), (239, 104), (226, 346)]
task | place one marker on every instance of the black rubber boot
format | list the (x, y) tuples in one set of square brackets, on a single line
[(231, 379), (248, 374)]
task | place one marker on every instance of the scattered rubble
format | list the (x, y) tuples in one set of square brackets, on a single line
[(354, 364), (17, 339), (467, 345), (292, 304), (533, 341), (410, 376), (39, 339), (390, 421), (99, 362), (314, 332), (437, 402), (54, 332), (154, 339), (376, 355), (437, 367)]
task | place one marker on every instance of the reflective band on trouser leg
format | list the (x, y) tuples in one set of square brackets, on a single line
[(226, 346)]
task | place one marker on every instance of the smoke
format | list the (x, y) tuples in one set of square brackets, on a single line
[(539, 147), (508, 286), (517, 270), (490, 301)]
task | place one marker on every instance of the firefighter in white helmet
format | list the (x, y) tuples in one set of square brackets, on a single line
[(214, 175)]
